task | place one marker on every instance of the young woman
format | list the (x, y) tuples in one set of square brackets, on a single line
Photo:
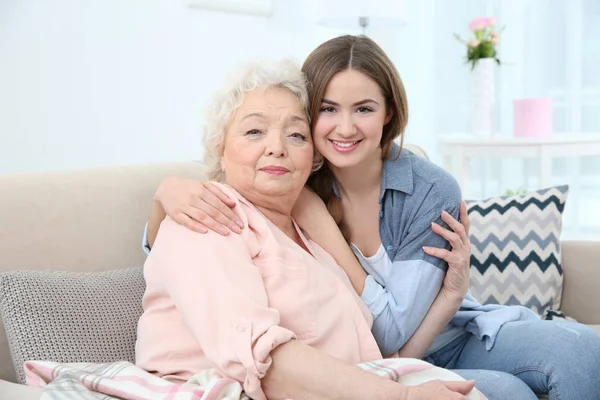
[(390, 206)]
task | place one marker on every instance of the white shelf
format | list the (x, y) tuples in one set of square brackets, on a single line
[(462, 148), (561, 138)]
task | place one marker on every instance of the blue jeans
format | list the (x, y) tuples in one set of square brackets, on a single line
[(561, 359)]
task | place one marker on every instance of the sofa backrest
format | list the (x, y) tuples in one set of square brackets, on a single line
[(85, 220)]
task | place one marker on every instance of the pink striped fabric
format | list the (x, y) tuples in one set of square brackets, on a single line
[(124, 380)]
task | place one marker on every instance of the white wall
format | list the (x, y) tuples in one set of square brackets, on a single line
[(104, 82), (89, 83)]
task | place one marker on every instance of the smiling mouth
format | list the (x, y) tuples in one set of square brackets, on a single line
[(344, 144), (274, 170), (344, 147)]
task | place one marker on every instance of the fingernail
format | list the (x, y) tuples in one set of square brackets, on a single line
[(445, 212), (202, 230), (236, 229), (223, 230), (240, 223)]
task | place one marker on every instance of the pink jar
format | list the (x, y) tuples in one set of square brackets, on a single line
[(532, 117)]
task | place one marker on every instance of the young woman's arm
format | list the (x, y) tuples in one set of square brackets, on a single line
[(312, 216), (454, 287), (193, 204), (415, 277), (439, 315)]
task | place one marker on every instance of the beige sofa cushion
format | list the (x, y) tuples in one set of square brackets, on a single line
[(581, 285), (87, 220)]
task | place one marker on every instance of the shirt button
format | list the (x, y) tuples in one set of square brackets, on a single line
[(380, 214), (389, 248)]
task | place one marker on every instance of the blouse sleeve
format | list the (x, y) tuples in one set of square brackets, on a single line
[(221, 296)]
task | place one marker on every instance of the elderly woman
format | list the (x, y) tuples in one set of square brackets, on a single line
[(269, 307)]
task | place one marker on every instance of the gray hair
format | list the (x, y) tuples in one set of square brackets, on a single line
[(282, 74)]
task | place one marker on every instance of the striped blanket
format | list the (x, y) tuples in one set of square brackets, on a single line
[(123, 380)]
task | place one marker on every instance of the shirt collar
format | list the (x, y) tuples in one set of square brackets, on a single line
[(397, 173)]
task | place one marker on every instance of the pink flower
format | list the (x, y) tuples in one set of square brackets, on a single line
[(494, 34), (495, 41), (481, 22), (473, 43)]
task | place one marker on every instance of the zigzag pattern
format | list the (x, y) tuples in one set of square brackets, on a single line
[(500, 284), (516, 255), (546, 295), (513, 270), (559, 191), (512, 237), (483, 253), (521, 285), (520, 206), (533, 304), (540, 193), (520, 230), (508, 221), (522, 263)]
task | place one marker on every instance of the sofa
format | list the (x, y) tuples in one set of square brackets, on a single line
[(92, 220)]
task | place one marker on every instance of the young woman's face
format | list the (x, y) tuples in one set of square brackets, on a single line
[(348, 128)]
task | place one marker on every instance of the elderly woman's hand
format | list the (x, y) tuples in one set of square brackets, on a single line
[(440, 390), (456, 281), (198, 205)]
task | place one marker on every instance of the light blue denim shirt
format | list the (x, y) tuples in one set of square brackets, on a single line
[(414, 191)]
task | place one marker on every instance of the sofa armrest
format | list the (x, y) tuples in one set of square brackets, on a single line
[(581, 291), (13, 391)]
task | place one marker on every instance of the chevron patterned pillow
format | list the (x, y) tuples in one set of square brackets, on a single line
[(515, 250)]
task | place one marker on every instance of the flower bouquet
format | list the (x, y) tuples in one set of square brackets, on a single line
[(483, 57), (484, 41)]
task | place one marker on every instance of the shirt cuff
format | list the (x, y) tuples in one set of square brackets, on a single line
[(258, 360), (374, 296), (145, 244)]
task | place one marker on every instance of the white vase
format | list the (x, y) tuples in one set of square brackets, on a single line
[(483, 97)]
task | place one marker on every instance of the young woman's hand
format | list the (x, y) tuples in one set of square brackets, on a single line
[(198, 205), (440, 390), (456, 281)]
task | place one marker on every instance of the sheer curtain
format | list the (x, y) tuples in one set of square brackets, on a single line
[(550, 48)]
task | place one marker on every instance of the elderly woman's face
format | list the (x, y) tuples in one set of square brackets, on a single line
[(268, 149)]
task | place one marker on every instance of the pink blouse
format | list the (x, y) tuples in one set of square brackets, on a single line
[(226, 302)]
